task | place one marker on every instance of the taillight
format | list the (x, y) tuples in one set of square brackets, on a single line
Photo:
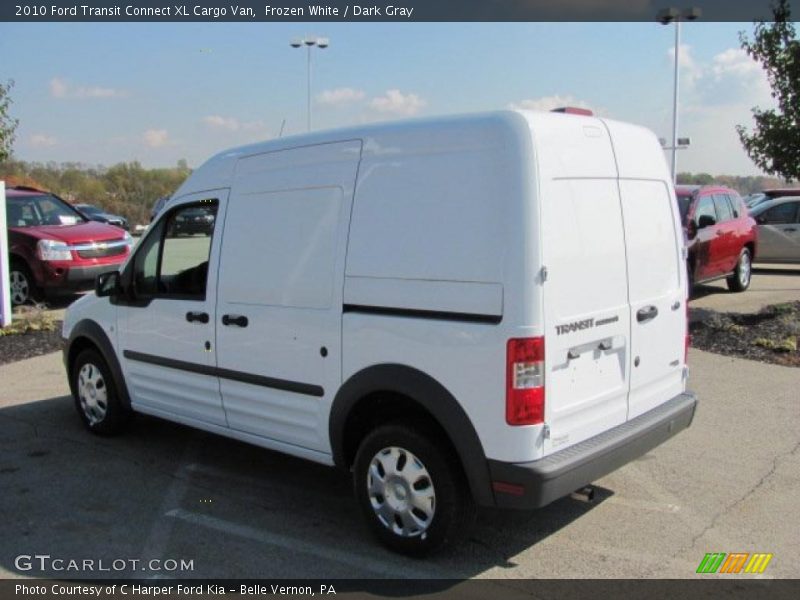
[(525, 381)]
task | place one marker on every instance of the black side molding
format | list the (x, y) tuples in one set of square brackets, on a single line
[(415, 313), (271, 382)]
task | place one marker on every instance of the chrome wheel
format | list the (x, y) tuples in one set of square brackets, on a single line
[(20, 287), (744, 269), (401, 492), (92, 393)]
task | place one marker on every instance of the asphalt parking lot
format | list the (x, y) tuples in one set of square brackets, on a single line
[(728, 484)]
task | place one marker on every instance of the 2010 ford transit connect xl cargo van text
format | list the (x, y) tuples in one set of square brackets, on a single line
[(481, 310)]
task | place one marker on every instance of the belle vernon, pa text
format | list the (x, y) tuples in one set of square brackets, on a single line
[(62, 589)]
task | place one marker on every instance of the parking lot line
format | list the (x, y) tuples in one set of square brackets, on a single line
[(333, 553), (160, 531)]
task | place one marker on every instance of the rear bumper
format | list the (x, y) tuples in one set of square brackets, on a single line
[(538, 483)]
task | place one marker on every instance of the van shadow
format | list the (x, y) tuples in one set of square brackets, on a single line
[(73, 495)]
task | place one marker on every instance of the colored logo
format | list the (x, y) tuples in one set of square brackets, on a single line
[(736, 562)]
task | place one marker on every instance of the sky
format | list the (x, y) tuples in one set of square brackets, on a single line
[(102, 93)]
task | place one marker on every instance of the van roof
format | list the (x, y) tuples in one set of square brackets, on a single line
[(218, 171)]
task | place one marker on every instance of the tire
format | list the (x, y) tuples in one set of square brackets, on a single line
[(95, 393), (740, 280), (22, 285), (400, 461)]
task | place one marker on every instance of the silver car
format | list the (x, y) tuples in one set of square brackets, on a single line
[(778, 230)]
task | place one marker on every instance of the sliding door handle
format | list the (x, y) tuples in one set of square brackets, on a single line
[(238, 320)]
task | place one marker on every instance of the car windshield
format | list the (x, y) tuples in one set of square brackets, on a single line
[(683, 206), (89, 209), (40, 209)]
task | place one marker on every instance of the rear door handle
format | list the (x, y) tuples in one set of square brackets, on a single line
[(647, 313), (238, 320), (200, 317)]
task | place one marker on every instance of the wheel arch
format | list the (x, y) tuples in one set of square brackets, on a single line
[(375, 394), (89, 334)]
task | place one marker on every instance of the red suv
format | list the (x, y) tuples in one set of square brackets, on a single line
[(53, 247), (721, 235)]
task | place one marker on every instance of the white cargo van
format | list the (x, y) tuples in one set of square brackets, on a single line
[(479, 310)]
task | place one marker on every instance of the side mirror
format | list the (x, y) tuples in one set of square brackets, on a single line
[(108, 284), (706, 221), (761, 219)]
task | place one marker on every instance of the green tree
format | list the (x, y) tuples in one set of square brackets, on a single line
[(773, 143), (8, 125)]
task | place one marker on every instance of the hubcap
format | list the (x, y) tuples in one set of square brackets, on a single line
[(92, 393), (401, 492), (744, 269), (20, 288)]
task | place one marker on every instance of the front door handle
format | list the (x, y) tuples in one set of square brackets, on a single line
[(789, 229), (647, 313), (238, 320), (200, 317)]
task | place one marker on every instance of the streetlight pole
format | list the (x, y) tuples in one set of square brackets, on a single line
[(309, 43), (665, 17)]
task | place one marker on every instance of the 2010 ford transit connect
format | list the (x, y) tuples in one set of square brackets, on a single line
[(480, 310)]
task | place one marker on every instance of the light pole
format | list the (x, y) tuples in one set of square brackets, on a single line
[(309, 42), (665, 17)]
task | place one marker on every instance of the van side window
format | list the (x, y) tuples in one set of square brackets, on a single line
[(781, 215), (705, 207), (723, 206), (172, 262), (145, 263)]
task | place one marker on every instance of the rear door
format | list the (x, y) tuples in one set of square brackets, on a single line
[(707, 242), (727, 235), (657, 297), (586, 309)]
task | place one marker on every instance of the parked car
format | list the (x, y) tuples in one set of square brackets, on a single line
[(754, 200), (193, 221), (98, 214), (53, 247), (158, 206), (778, 230), (499, 322), (721, 236)]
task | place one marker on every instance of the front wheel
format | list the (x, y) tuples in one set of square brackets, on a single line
[(411, 489), (95, 394), (22, 286), (740, 280)]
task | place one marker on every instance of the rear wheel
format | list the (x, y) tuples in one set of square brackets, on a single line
[(95, 394), (740, 280), (411, 489)]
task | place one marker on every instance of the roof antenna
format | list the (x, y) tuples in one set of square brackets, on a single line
[(283, 124)]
